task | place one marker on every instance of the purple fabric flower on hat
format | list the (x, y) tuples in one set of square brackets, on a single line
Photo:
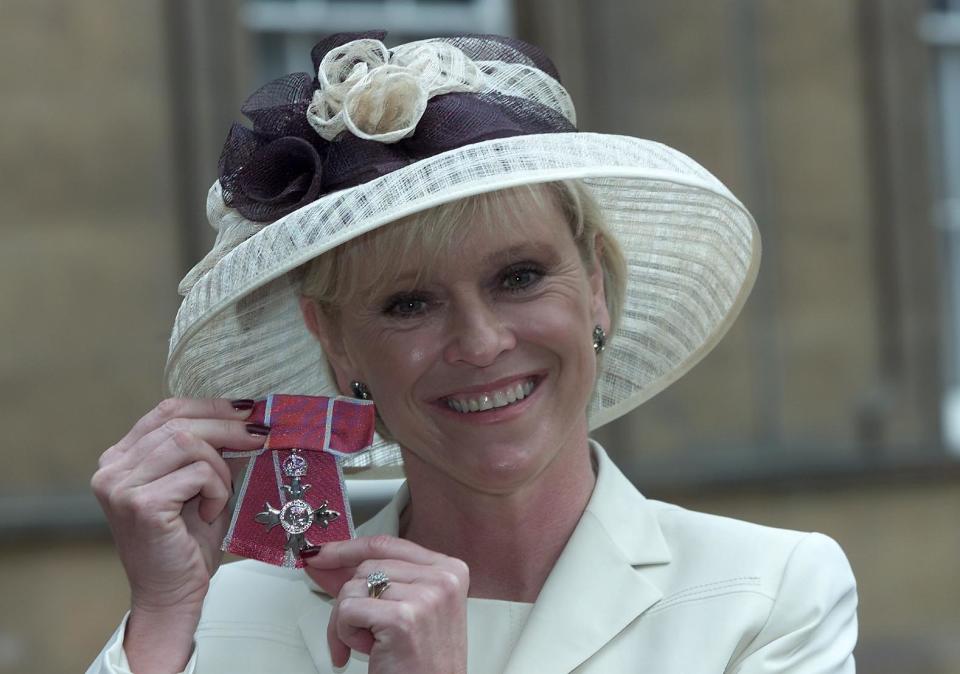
[(276, 167)]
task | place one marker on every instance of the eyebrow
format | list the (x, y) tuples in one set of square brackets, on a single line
[(537, 249), (542, 249)]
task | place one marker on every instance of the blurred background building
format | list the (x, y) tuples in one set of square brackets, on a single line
[(833, 405)]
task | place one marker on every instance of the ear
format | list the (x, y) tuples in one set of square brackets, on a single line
[(328, 333), (601, 315)]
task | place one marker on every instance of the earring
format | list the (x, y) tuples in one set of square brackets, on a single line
[(360, 390), (599, 339)]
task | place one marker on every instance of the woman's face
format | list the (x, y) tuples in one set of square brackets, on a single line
[(482, 369)]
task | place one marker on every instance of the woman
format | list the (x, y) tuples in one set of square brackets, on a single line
[(425, 227)]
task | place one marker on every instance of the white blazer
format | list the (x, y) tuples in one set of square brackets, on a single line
[(641, 586)]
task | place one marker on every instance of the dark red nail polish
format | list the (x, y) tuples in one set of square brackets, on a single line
[(258, 429), (310, 551), (243, 404)]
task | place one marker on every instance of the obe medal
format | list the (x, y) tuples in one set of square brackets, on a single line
[(295, 515)]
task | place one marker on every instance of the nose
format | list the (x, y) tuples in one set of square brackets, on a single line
[(476, 334)]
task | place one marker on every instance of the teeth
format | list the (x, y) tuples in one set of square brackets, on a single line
[(488, 401)]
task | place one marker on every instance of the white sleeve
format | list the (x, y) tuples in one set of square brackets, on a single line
[(113, 659), (812, 626)]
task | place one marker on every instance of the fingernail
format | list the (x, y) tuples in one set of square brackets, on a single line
[(243, 404), (258, 429), (310, 551)]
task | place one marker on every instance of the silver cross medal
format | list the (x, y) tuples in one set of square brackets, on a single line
[(296, 516)]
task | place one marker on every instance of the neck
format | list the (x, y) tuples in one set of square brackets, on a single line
[(509, 540)]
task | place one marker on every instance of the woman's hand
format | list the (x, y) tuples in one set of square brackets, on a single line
[(419, 623), (164, 489)]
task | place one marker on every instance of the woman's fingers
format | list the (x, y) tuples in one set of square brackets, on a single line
[(166, 449), (352, 553), (178, 408), (177, 451), (404, 561), (200, 479), (351, 628), (397, 570), (337, 562), (334, 581), (163, 497), (424, 602), (398, 590), (340, 648), (214, 432), (173, 445), (331, 580), (350, 631), (160, 483)]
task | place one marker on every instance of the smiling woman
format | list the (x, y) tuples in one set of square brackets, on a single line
[(445, 340), (424, 226)]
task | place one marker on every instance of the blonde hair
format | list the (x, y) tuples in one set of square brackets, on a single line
[(334, 279)]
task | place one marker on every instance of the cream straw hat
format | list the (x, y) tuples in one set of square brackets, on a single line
[(380, 134)]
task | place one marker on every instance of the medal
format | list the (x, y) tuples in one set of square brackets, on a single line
[(296, 516), (291, 494)]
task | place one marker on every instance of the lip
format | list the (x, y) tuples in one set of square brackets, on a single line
[(492, 386), (497, 414)]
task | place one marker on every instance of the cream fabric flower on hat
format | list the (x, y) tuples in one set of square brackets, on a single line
[(380, 95)]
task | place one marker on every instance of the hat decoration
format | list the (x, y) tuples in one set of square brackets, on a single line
[(371, 110)]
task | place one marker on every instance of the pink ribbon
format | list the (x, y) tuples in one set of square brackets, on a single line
[(292, 491)]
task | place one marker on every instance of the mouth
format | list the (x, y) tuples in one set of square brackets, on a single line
[(502, 396)]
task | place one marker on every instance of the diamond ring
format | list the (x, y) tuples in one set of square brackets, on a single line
[(377, 584)]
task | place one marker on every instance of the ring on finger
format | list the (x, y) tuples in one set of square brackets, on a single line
[(377, 584)]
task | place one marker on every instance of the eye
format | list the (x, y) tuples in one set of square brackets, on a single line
[(405, 306), (521, 277)]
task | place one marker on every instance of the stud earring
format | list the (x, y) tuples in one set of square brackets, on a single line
[(360, 390), (599, 339)]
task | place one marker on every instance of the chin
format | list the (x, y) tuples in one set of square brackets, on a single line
[(505, 470), (488, 463)]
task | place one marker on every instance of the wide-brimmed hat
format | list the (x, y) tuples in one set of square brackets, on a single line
[(379, 134)]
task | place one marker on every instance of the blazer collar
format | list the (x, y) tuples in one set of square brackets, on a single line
[(597, 585)]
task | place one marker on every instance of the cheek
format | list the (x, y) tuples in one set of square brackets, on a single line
[(559, 321), (409, 351), (397, 361)]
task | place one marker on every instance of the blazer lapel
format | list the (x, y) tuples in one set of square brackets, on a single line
[(598, 585)]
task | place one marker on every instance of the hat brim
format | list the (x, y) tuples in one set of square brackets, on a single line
[(692, 253)]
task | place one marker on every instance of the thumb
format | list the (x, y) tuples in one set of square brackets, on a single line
[(331, 580)]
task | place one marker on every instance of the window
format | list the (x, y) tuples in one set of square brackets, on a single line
[(283, 31)]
